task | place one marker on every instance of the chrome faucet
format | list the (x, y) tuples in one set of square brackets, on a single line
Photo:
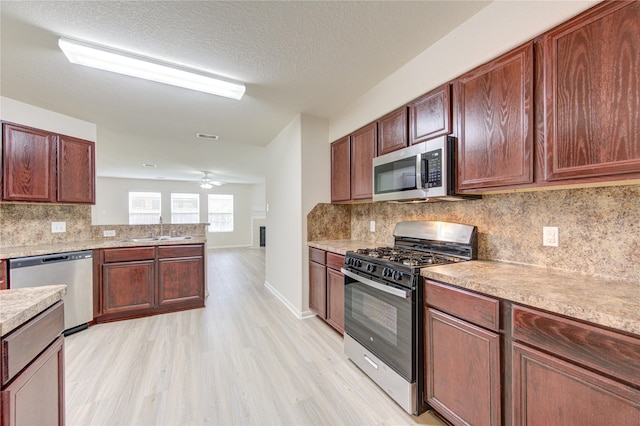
[(161, 233)]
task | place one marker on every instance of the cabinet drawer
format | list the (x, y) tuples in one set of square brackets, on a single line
[(190, 250), (611, 353), (23, 345), (317, 255), (129, 254), (335, 261), (480, 310)]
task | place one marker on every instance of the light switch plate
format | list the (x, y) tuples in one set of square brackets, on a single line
[(58, 227), (372, 226), (109, 233), (550, 236)]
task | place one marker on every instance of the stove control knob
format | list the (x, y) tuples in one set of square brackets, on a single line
[(397, 275), (386, 272), (347, 261), (358, 263), (371, 268)]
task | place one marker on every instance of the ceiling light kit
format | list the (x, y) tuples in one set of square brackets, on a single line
[(133, 65), (207, 183)]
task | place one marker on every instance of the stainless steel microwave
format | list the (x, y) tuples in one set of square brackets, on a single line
[(425, 171)]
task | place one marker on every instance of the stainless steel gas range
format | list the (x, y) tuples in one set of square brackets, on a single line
[(383, 303)]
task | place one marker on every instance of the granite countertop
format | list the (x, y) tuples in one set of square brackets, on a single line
[(35, 250), (607, 302), (19, 305), (342, 246)]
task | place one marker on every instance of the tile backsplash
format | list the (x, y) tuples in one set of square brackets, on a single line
[(598, 228)]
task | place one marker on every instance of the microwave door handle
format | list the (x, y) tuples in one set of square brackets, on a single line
[(420, 172)]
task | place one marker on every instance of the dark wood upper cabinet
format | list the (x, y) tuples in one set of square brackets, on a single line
[(430, 115), (393, 131), (593, 93), (495, 122), (76, 170), (363, 150), (40, 166), (29, 159), (341, 170)]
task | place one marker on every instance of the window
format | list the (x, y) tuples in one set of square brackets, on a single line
[(220, 213), (144, 208), (185, 208)]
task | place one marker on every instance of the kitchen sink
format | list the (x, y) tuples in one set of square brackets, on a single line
[(152, 239)]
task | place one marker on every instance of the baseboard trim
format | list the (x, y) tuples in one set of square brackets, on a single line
[(298, 314)]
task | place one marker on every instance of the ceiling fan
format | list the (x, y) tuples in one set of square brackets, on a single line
[(207, 183)]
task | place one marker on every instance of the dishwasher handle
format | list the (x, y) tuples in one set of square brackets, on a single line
[(55, 259)]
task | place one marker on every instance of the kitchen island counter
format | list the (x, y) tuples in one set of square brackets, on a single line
[(40, 249), (19, 305), (604, 301)]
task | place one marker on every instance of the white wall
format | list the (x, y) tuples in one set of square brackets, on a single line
[(112, 205), (297, 158), (29, 115), (496, 29)]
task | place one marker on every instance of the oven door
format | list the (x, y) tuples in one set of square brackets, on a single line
[(381, 318)]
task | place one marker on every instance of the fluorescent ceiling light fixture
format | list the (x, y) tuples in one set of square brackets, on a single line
[(108, 59)]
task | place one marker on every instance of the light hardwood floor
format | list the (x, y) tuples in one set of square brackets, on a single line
[(244, 359)]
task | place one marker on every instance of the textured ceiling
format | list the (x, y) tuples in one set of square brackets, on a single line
[(311, 57)]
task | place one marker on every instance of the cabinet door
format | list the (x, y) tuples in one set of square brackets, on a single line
[(592, 88), (335, 299), (363, 150), (3, 274), (36, 396), (76, 172), (318, 289), (430, 115), (180, 281), (393, 131), (495, 122), (462, 370), (28, 157), (341, 170), (547, 390), (128, 286)]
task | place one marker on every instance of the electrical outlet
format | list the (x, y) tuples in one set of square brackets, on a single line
[(109, 233), (550, 236), (58, 227), (372, 226)]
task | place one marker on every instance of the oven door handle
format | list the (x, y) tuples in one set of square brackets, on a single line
[(405, 294)]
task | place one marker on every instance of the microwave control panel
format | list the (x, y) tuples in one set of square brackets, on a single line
[(433, 160)]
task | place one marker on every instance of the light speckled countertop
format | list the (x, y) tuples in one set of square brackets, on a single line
[(607, 302), (342, 246), (19, 305), (35, 250)]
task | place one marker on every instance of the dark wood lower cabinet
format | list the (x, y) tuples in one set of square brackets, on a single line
[(140, 281), (335, 299), (128, 286), (318, 289), (550, 391), (462, 370)]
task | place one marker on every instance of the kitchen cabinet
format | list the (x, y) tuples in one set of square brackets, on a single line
[(326, 287), (128, 281), (3, 274), (352, 165), (430, 115), (363, 150), (592, 91), (140, 281), (569, 372), (40, 166), (393, 131), (318, 282), (462, 355), (494, 118), (335, 292), (33, 371), (180, 275), (341, 170)]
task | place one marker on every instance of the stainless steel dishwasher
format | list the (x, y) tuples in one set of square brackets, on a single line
[(75, 269)]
